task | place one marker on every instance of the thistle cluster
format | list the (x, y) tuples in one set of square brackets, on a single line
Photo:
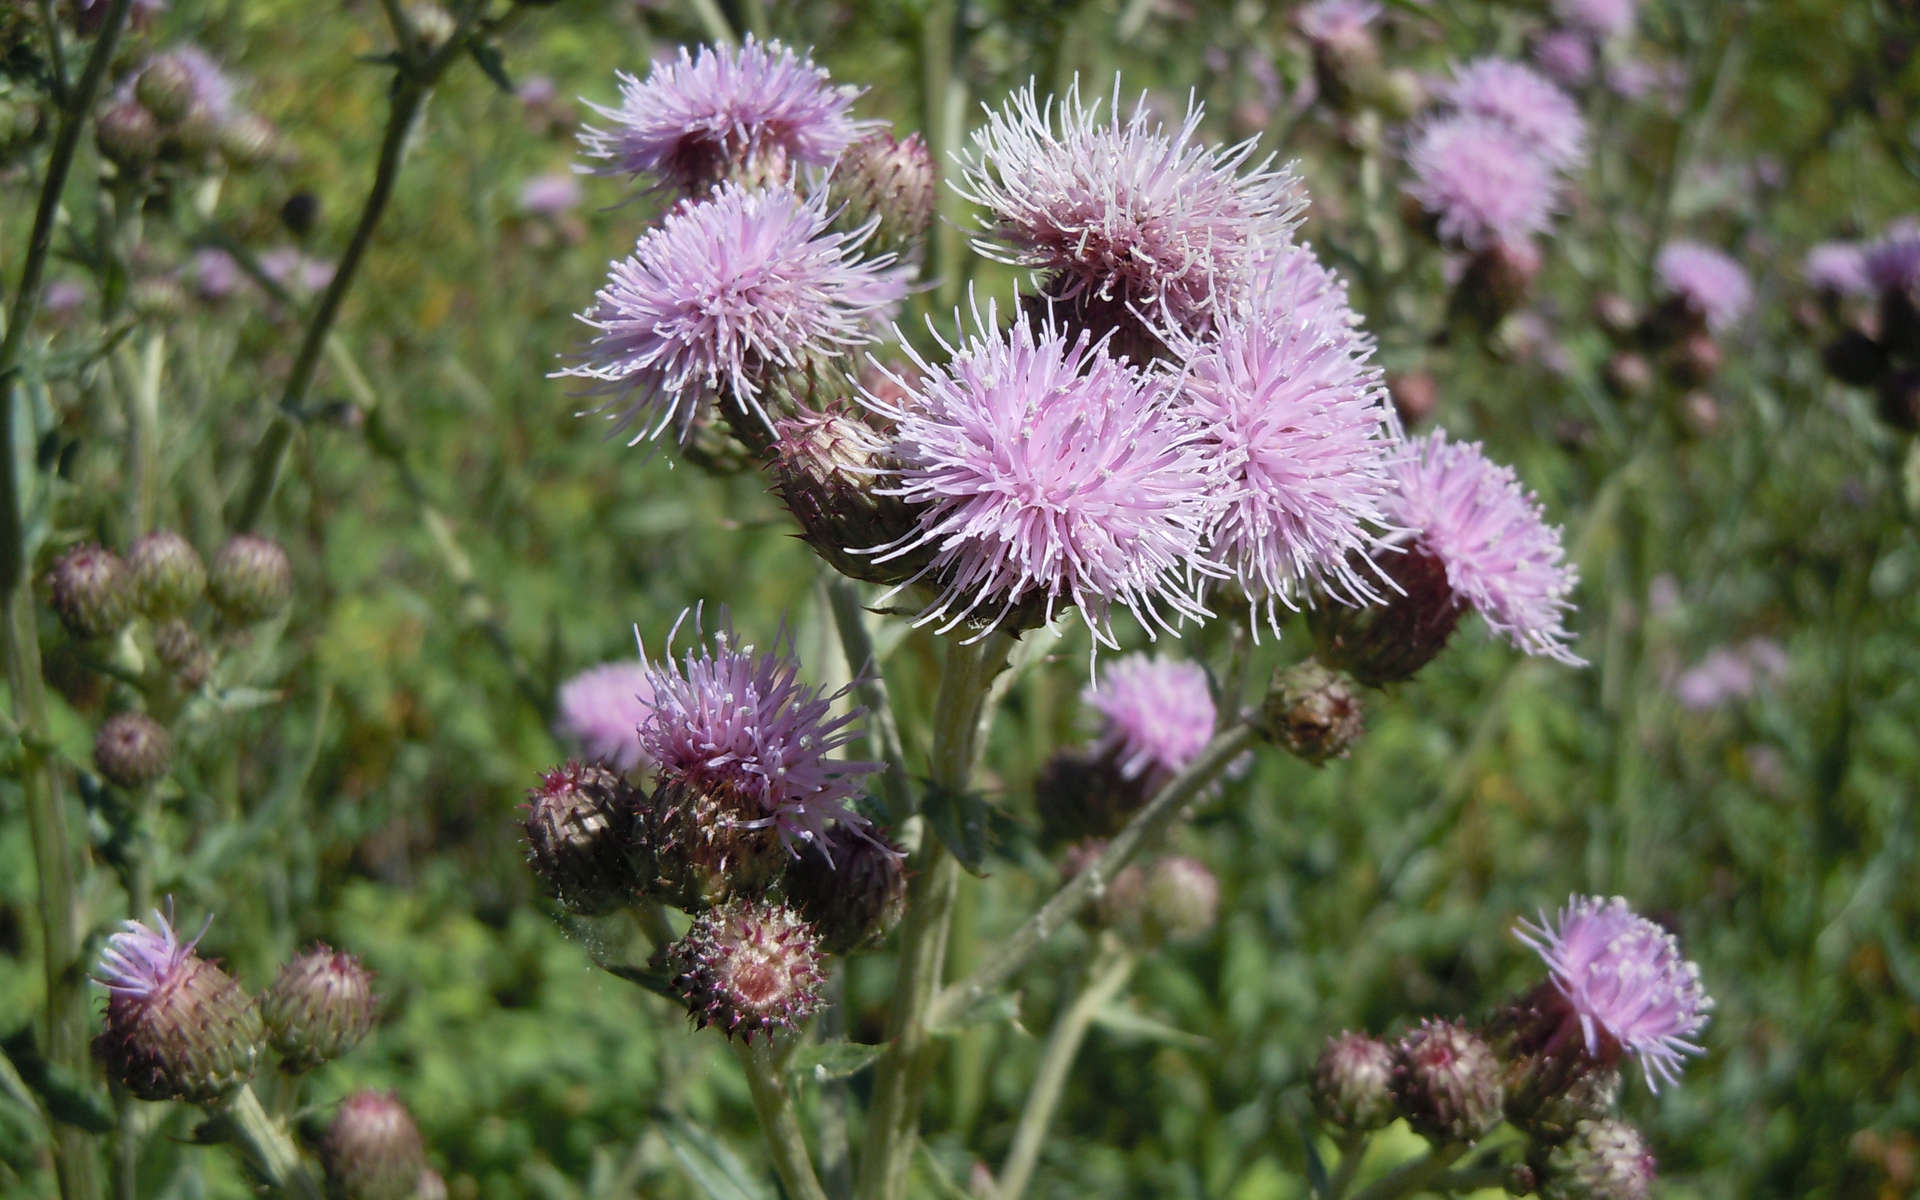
[(1676, 340), (1870, 293), (179, 112)]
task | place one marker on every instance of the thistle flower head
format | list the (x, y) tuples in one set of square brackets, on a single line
[(697, 116), (1123, 209), (730, 719), (1491, 537), (853, 889), (550, 194), (1624, 980), (141, 960), (1711, 285), (1892, 264), (91, 590), (601, 708), (721, 291), (1837, 267), (1447, 1082), (1541, 115), (1157, 714), (1480, 181), (180, 80), (1603, 1159), (177, 1026), (748, 967), (579, 825), (1049, 474)]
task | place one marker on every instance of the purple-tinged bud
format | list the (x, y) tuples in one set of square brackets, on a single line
[(855, 899), (1079, 794), (828, 468), (698, 847), (1182, 898), (1389, 643), (1603, 1160), (1312, 712), (168, 576), (167, 88), (1899, 397), (1121, 901), (1353, 1083), (1547, 1105), (177, 1026), (248, 140), (894, 181), (1615, 315), (372, 1150), (251, 579), (183, 652), (318, 1009), (748, 967), (578, 841), (1696, 360), (132, 750), (1628, 374), (91, 591), (127, 135), (1416, 394), (1854, 358), (1446, 1082), (1700, 414)]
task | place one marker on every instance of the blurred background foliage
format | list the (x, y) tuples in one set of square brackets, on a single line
[(462, 542)]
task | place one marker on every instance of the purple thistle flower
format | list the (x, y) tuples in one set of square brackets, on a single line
[(722, 290), (1158, 714), (1601, 18), (1123, 210), (213, 274), (1052, 474), (602, 709), (141, 961), (1481, 183), (1708, 282), (731, 720), (1837, 267), (1892, 264), (550, 195), (1564, 55), (1499, 553), (1294, 418), (1540, 114), (1625, 981), (696, 115)]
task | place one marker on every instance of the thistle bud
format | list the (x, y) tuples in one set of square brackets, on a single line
[(890, 182), (195, 135), (248, 140), (855, 899), (1446, 1081), (1544, 1102), (829, 468), (177, 1026), (251, 579), (748, 967), (372, 1150), (1700, 414), (182, 651), (1628, 374), (168, 576), (698, 847), (1416, 394), (1352, 1083), (319, 1008), (1497, 280), (91, 591), (1312, 712), (432, 26), (1854, 358), (1121, 901), (127, 135), (578, 842), (167, 88), (430, 1187), (1182, 898), (1603, 1160), (1696, 360), (1615, 315), (1389, 642), (132, 749), (1079, 794), (1899, 399)]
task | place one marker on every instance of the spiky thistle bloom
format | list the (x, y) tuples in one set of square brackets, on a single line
[(1539, 113), (1623, 983), (1602, 18), (178, 1027), (748, 967), (759, 107), (1892, 263), (602, 707), (1157, 714), (1839, 268), (1479, 181), (731, 720), (1711, 285), (1049, 474), (722, 291), (1294, 419), (1118, 208)]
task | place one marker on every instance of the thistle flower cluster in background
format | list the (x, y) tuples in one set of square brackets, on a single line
[(1868, 294)]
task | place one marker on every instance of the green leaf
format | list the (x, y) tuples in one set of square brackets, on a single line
[(959, 820), (1115, 1018), (68, 1098), (714, 1169), (488, 57), (832, 1060), (1316, 1167)]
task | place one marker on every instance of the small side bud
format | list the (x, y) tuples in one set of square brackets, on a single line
[(1353, 1083), (183, 652), (168, 576), (1416, 394), (1628, 374), (319, 1008), (578, 840), (1603, 1160), (699, 847), (1080, 794), (167, 88), (1546, 1104), (748, 967), (1182, 898), (178, 1027), (372, 1150), (132, 750), (1446, 1082), (248, 140), (1696, 360), (1615, 315), (1389, 642), (855, 900), (828, 468), (888, 180), (1121, 902), (127, 135), (251, 579), (1312, 712), (91, 591)]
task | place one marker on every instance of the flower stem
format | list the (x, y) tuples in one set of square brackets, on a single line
[(774, 1103), (1411, 1178), (1353, 1152), (883, 728), (267, 1147)]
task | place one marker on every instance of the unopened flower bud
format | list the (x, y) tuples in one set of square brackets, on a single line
[(177, 1026), (127, 135), (157, 297), (748, 967), (432, 26), (698, 847), (1497, 280), (1604, 1160), (1312, 712), (855, 899), (829, 470), (1899, 397), (168, 576), (1546, 1104), (893, 181), (1416, 394), (1696, 360), (1346, 56), (195, 135), (578, 837), (1628, 374), (1389, 642), (1121, 900), (248, 140), (1353, 1083), (372, 1150), (1446, 1082), (1182, 898), (1854, 358), (132, 749), (251, 579), (1700, 413), (91, 591), (1615, 315), (1081, 794), (167, 88), (319, 1008), (182, 651)]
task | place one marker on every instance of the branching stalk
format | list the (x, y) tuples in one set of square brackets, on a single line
[(773, 1102)]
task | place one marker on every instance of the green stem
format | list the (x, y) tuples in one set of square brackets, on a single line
[(1353, 1152), (1412, 1178), (774, 1104), (1104, 979), (870, 686), (1145, 826), (943, 114), (267, 1147), (707, 13), (1472, 1179)]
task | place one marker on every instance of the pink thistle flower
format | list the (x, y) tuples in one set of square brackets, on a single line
[(695, 116), (1540, 114), (1837, 267), (550, 195), (1295, 419), (1049, 473), (1564, 55), (1601, 18), (1892, 264), (141, 961), (1481, 183), (722, 290), (1491, 537), (1123, 210), (1158, 715), (1624, 982), (728, 719), (602, 709), (1708, 282)]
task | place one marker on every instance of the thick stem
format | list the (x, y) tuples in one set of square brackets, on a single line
[(773, 1102), (1353, 1152), (1107, 975), (267, 1147), (1410, 1179), (870, 686)]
